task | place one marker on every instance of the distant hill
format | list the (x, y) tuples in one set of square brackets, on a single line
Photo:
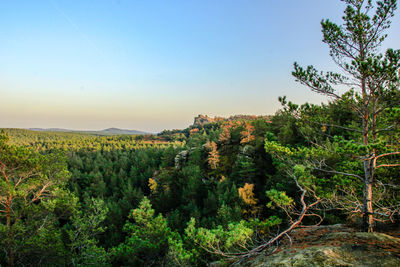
[(113, 131), (50, 130), (109, 131)]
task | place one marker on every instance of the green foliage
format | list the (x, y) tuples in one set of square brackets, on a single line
[(235, 238), (68, 141), (263, 227), (210, 190), (191, 214), (85, 225), (33, 201), (147, 239), (179, 254), (372, 80), (278, 198)]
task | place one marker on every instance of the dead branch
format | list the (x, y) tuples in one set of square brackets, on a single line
[(342, 173), (388, 165), (295, 224)]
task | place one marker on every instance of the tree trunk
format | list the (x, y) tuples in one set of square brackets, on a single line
[(368, 212), (368, 215), (10, 233), (10, 252)]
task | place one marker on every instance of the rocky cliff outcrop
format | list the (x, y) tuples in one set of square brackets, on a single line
[(333, 246), (203, 119)]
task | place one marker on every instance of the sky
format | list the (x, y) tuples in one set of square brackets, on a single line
[(156, 64)]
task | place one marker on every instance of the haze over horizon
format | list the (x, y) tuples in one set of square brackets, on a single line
[(154, 65)]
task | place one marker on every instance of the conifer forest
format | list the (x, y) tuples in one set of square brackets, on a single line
[(224, 190)]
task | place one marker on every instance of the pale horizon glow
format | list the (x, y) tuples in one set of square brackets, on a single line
[(155, 65)]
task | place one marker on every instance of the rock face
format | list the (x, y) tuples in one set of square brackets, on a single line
[(203, 119), (333, 246), (181, 158)]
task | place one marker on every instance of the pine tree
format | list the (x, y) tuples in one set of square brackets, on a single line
[(372, 80)]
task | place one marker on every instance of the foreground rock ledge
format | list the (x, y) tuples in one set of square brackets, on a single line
[(335, 245)]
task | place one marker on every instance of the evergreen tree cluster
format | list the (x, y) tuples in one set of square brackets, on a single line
[(221, 189)]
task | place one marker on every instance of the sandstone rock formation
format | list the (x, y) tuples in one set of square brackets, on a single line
[(333, 246)]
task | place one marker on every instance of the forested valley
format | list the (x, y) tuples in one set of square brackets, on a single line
[(184, 198), (223, 189)]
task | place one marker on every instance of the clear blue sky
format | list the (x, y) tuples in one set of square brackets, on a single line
[(154, 65)]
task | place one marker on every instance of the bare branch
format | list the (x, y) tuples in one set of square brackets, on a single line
[(342, 173), (387, 154), (385, 129), (388, 165)]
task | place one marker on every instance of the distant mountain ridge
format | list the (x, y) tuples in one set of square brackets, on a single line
[(108, 131)]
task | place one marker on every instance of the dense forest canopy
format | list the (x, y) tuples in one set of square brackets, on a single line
[(221, 189)]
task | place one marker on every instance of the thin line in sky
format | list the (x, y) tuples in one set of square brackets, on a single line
[(77, 28)]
